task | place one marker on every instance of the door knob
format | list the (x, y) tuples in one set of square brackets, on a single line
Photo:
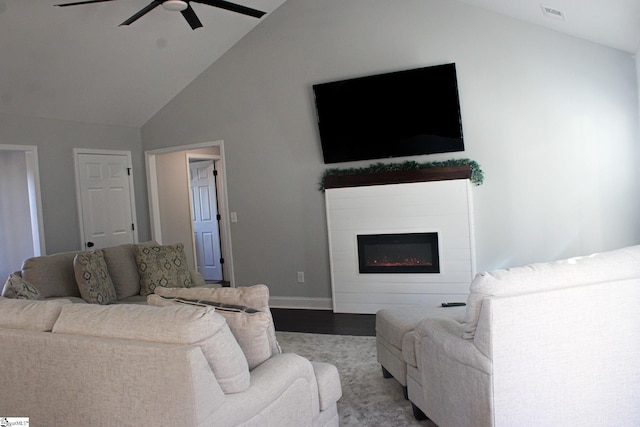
[(89, 244)]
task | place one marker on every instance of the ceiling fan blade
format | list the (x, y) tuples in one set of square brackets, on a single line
[(82, 2), (233, 7), (142, 12), (191, 18)]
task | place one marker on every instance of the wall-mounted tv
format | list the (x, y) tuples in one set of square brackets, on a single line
[(403, 113)]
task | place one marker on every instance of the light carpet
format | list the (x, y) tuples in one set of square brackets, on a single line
[(368, 399)]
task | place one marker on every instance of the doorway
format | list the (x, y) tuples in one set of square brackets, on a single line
[(170, 200), (20, 207), (205, 216)]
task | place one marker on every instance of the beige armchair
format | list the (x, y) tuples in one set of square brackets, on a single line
[(551, 344)]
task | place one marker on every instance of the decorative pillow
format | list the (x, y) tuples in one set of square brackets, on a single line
[(249, 326), (201, 327), (256, 297), (93, 278), (18, 288), (162, 266)]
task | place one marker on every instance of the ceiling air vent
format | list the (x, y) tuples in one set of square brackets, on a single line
[(553, 13)]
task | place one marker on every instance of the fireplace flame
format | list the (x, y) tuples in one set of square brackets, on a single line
[(405, 262)]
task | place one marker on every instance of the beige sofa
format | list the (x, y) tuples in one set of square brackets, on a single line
[(69, 364), (156, 346), (54, 276), (545, 344)]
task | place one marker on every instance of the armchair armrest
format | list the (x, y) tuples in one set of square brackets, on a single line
[(446, 334), (453, 370)]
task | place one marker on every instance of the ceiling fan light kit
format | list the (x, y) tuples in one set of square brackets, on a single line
[(175, 5), (182, 6)]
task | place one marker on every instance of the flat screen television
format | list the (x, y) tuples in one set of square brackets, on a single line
[(402, 113)]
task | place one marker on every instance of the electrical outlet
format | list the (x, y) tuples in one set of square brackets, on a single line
[(300, 276)]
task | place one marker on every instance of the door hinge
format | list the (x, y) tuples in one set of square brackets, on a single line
[(221, 260), (215, 172), (133, 227), (129, 171), (218, 217)]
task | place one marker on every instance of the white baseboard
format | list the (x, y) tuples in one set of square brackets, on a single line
[(301, 302)]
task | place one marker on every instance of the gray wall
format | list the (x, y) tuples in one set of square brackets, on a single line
[(553, 121), (56, 140)]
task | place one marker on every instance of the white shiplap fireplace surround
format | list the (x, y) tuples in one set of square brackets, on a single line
[(438, 202)]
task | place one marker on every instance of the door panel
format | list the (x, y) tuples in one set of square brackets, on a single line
[(105, 198), (205, 224)]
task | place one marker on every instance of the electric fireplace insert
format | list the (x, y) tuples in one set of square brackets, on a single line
[(398, 253)]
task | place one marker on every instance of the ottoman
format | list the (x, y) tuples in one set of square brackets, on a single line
[(394, 327)]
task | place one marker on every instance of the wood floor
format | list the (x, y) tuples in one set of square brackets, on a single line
[(324, 322)]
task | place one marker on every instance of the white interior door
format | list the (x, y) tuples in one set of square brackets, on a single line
[(204, 211), (105, 195)]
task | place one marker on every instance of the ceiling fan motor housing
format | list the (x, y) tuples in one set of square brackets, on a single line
[(175, 5)]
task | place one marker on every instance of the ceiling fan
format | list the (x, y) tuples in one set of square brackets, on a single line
[(181, 6)]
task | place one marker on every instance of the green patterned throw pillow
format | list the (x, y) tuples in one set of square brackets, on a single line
[(18, 288), (93, 278), (162, 265)]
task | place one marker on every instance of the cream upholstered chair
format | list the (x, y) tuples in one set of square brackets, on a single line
[(544, 344)]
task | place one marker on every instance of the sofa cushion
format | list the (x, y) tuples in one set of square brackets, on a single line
[(187, 325), (93, 278), (30, 315), (123, 269), (197, 279), (161, 266), (18, 288), (248, 326), (53, 275), (619, 264), (256, 297)]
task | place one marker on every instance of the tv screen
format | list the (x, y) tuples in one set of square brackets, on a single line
[(403, 113)]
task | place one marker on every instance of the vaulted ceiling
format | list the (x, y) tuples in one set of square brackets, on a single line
[(76, 63)]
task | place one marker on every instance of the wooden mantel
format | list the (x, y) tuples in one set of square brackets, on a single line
[(398, 177)]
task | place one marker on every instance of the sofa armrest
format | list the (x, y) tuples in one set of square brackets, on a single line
[(283, 391), (447, 335), (329, 386)]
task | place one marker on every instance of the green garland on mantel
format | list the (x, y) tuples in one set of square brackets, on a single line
[(477, 176)]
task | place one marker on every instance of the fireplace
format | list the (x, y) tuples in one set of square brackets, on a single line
[(427, 225), (398, 253)]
